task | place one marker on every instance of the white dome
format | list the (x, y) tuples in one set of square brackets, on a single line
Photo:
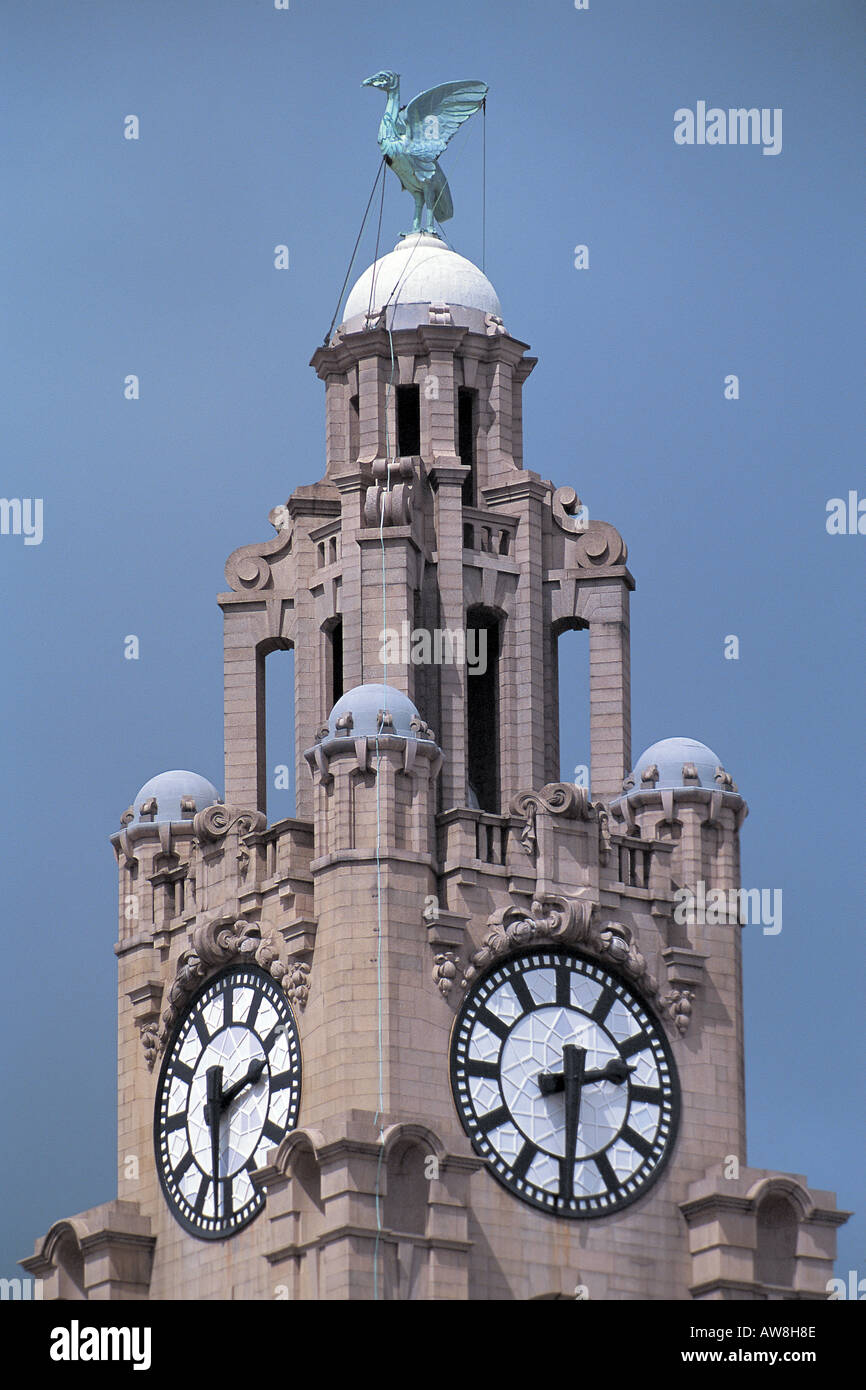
[(670, 755), (364, 703), (168, 789), (420, 271)]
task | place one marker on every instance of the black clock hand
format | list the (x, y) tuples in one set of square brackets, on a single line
[(254, 1071), (573, 1063), (615, 1070), (212, 1112)]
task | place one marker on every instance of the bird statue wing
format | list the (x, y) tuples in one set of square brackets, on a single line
[(433, 117)]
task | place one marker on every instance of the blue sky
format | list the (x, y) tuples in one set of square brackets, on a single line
[(155, 257)]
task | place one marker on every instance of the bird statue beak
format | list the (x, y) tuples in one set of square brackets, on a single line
[(368, 82)]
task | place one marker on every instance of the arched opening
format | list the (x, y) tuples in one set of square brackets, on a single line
[(333, 634), (277, 700), (466, 433), (407, 1189), (408, 420), (570, 753), (354, 429), (483, 645), (775, 1255)]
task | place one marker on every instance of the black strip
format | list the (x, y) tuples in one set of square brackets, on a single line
[(523, 1161), (200, 1027), (285, 1078), (227, 1204), (272, 1132), (638, 1043), (251, 1017), (182, 1072), (606, 1169), (493, 1118), (637, 1141), (489, 1070), (198, 1206), (277, 1031), (650, 1093), (563, 986), (524, 996), (175, 1122), (495, 1024), (603, 1005), (228, 1018), (180, 1172)]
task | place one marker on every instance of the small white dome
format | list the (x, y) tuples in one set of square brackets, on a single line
[(420, 271), (670, 755), (168, 789), (364, 704)]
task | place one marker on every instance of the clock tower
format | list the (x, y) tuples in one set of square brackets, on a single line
[(457, 1029)]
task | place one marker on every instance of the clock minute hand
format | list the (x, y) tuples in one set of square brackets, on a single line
[(212, 1112), (254, 1071), (573, 1064)]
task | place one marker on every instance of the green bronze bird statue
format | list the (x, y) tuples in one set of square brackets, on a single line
[(413, 137)]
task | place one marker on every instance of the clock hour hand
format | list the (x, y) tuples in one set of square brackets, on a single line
[(549, 1082), (254, 1071)]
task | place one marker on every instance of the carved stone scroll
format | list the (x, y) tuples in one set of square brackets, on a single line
[(216, 944), (557, 798), (566, 922), (249, 566), (595, 542), (215, 822)]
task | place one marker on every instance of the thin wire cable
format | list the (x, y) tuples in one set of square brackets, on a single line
[(376, 256), (484, 184), (379, 172)]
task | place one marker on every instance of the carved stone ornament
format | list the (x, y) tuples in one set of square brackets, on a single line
[(386, 505), (566, 922), (441, 314), (150, 1042), (493, 325), (569, 512), (595, 542), (216, 944), (298, 986), (444, 971), (249, 566), (215, 822), (677, 1005), (724, 780), (649, 775), (558, 798)]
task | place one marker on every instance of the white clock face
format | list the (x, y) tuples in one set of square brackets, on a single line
[(565, 1083), (229, 1090)]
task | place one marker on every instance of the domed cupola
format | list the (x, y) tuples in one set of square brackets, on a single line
[(171, 798), (422, 281)]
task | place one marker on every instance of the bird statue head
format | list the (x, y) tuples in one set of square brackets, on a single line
[(388, 81)]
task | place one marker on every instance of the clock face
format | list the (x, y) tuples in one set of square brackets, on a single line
[(229, 1090), (565, 1083)]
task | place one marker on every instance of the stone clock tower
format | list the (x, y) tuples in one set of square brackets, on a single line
[(442, 1034)]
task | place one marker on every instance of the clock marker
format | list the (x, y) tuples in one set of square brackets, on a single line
[(563, 986), (634, 1044), (200, 1027), (182, 1072), (603, 1005), (636, 1141), (496, 1025), (180, 1172), (606, 1171), (488, 1070), (175, 1122), (523, 1161), (523, 994), (493, 1119), (198, 1206), (649, 1093)]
